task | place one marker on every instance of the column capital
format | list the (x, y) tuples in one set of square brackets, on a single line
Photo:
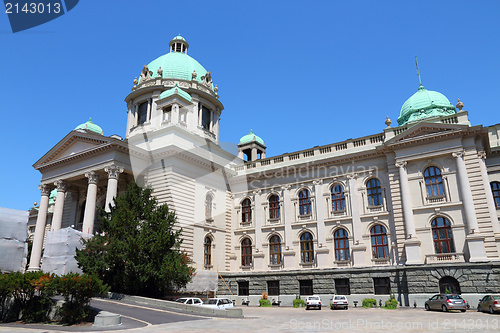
[(458, 154), (401, 164), (318, 182), (481, 154), (92, 176), (286, 187), (45, 188), (113, 171), (352, 176), (61, 185)]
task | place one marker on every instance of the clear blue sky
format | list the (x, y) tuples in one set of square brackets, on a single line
[(299, 73)]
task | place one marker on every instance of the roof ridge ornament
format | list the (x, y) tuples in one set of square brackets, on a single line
[(459, 105), (418, 73)]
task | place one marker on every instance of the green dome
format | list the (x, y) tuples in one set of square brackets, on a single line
[(425, 104), (179, 37), (251, 137), (52, 196), (90, 126)]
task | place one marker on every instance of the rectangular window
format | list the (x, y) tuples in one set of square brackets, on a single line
[(306, 287), (243, 288), (273, 288), (167, 114), (205, 118), (382, 286), (342, 287), (142, 113)]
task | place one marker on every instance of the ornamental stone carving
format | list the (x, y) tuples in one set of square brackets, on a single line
[(92, 176), (113, 171), (194, 75), (145, 74), (459, 105), (159, 72), (401, 164), (481, 154), (458, 154), (46, 189), (388, 122), (61, 185)]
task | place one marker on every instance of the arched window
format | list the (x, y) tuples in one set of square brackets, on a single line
[(208, 208), (274, 207), (246, 211), (380, 249), (306, 248), (495, 188), (275, 250), (341, 242), (338, 198), (433, 182), (374, 190), (246, 252), (207, 246), (449, 285), (304, 203), (442, 235)]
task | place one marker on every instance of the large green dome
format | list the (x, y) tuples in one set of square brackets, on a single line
[(177, 65), (425, 104)]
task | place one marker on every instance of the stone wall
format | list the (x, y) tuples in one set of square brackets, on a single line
[(479, 278)]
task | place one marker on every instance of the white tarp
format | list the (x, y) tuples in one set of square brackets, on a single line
[(202, 281), (60, 250), (13, 236)]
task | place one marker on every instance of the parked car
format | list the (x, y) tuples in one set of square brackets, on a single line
[(490, 303), (219, 303), (189, 300), (446, 302), (313, 302), (339, 302)]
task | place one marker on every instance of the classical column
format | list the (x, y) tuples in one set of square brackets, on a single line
[(58, 209), (358, 249), (89, 214), (474, 240), (113, 173), (254, 154), (286, 217), (321, 250), (412, 245), (36, 251), (489, 198)]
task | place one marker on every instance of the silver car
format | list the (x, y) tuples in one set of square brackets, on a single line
[(446, 302), (490, 303)]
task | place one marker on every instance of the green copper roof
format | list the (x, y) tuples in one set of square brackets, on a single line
[(179, 37), (177, 65), (89, 125), (251, 137), (172, 91), (425, 104), (52, 196)]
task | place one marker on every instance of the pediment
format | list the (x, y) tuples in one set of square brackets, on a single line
[(426, 131), (73, 144)]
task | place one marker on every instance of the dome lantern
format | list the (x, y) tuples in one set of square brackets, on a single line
[(178, 44)]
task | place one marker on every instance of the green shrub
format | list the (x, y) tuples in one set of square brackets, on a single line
[(5, 293), (77, 291), (369, 303), (391, 304), (32, 294), (297, 303), (264, 302)]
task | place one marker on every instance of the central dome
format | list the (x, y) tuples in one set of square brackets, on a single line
[(177, 64), (425, 104)]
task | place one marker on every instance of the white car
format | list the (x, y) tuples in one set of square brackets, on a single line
[(190, 300), (219, 303), (339, 302), (313, 302)]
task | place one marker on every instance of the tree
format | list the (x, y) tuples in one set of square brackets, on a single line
[(138, 249)]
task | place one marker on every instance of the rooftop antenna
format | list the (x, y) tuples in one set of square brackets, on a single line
[(418, 73)]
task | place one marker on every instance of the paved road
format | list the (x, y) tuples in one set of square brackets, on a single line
[(134, 316)]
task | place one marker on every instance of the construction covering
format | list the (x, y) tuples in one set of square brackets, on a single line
[(202, 281), (13, 239), (60, 250)]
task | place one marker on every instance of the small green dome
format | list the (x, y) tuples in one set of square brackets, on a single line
[(251, 137), (90, 126), (179, 37), (425, 104)]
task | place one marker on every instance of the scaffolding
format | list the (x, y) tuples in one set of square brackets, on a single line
[(13, 239)]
